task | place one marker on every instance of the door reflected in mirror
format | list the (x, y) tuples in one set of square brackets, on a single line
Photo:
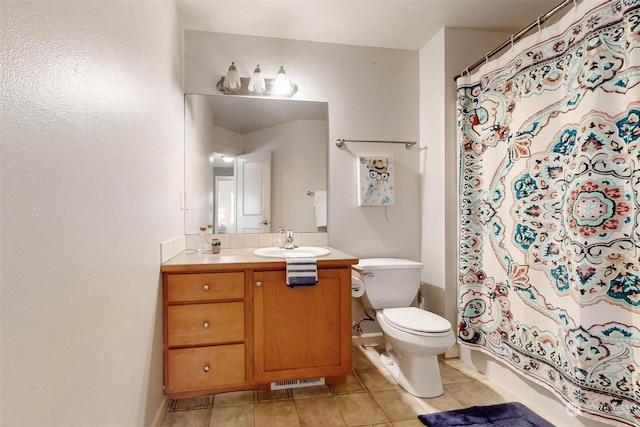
[(226, 207), (225, 195), (275, 173)]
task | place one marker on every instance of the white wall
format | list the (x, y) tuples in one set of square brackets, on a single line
[(227, 141), (91, 168), (433, 170), (372, 94), (298, 165)]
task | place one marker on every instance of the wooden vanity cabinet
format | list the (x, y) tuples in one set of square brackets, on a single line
[(204, 331), (238, 326), (303, 331)]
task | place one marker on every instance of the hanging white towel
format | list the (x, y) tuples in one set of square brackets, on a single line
[(320, 203), (302, 269)]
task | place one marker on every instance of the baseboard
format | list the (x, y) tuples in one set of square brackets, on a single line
[(159, 418), (368, 339), (452, 352)]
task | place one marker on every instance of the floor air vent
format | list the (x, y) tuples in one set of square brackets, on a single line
[(279, 385)]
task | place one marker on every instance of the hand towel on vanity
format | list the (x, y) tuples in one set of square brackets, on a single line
[(320, 203), (302, 269)]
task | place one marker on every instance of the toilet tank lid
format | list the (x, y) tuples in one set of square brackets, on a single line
[(385, 263)]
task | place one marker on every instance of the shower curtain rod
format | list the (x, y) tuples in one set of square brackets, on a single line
[(408, 144), (519, 35)]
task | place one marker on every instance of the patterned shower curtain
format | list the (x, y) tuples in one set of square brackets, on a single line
[(549, 199)]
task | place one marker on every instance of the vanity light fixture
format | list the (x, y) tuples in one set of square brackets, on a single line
[(257, 85), (231, 81), (282, 85)]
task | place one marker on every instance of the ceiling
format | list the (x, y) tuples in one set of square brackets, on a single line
[(397, 24)]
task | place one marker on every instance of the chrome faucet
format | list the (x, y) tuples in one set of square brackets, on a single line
[(288, 243)]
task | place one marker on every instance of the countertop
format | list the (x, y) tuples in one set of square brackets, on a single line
[(189, 261)]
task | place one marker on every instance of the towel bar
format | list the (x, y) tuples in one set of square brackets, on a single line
[(408, 144)]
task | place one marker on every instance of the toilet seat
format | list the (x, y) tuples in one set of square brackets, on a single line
[(416, 321)]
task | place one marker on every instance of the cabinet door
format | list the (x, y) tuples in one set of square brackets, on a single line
[(304, 331)]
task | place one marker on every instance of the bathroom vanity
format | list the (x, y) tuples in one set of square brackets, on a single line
[(231, 323)]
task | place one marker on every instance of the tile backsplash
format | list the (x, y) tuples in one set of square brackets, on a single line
[(262, 240), (172, 247)]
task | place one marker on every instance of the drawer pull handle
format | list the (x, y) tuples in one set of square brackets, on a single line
[(205, 287), (206, 368), (258, 284), (205, 325)]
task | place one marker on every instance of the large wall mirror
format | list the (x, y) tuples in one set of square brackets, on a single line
[(255, 164)]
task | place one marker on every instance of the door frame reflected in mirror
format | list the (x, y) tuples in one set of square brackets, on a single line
[(224, 204)]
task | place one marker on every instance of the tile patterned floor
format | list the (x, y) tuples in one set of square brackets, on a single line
[(370, 397)]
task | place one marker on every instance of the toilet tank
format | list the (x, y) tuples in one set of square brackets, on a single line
[(388, 282)]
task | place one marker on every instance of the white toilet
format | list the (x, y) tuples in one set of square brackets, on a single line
[(413, 337)]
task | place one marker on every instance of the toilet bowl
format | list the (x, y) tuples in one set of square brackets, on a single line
[(413, 340), (413, 337)]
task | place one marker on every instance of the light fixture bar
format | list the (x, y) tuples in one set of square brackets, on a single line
[(269, 90)]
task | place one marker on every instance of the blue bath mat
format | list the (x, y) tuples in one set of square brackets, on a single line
[(503, 415)]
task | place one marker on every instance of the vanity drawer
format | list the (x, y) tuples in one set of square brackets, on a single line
[(205, 367), (201, 324), (205, 286)]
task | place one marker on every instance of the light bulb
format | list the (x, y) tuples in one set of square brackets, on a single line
[(232, 79), (256, 84), (282, 85)]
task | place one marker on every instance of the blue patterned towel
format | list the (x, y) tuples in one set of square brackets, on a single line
[(302, 269)]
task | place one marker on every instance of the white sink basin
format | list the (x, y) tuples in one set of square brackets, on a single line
[(275, 252)]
